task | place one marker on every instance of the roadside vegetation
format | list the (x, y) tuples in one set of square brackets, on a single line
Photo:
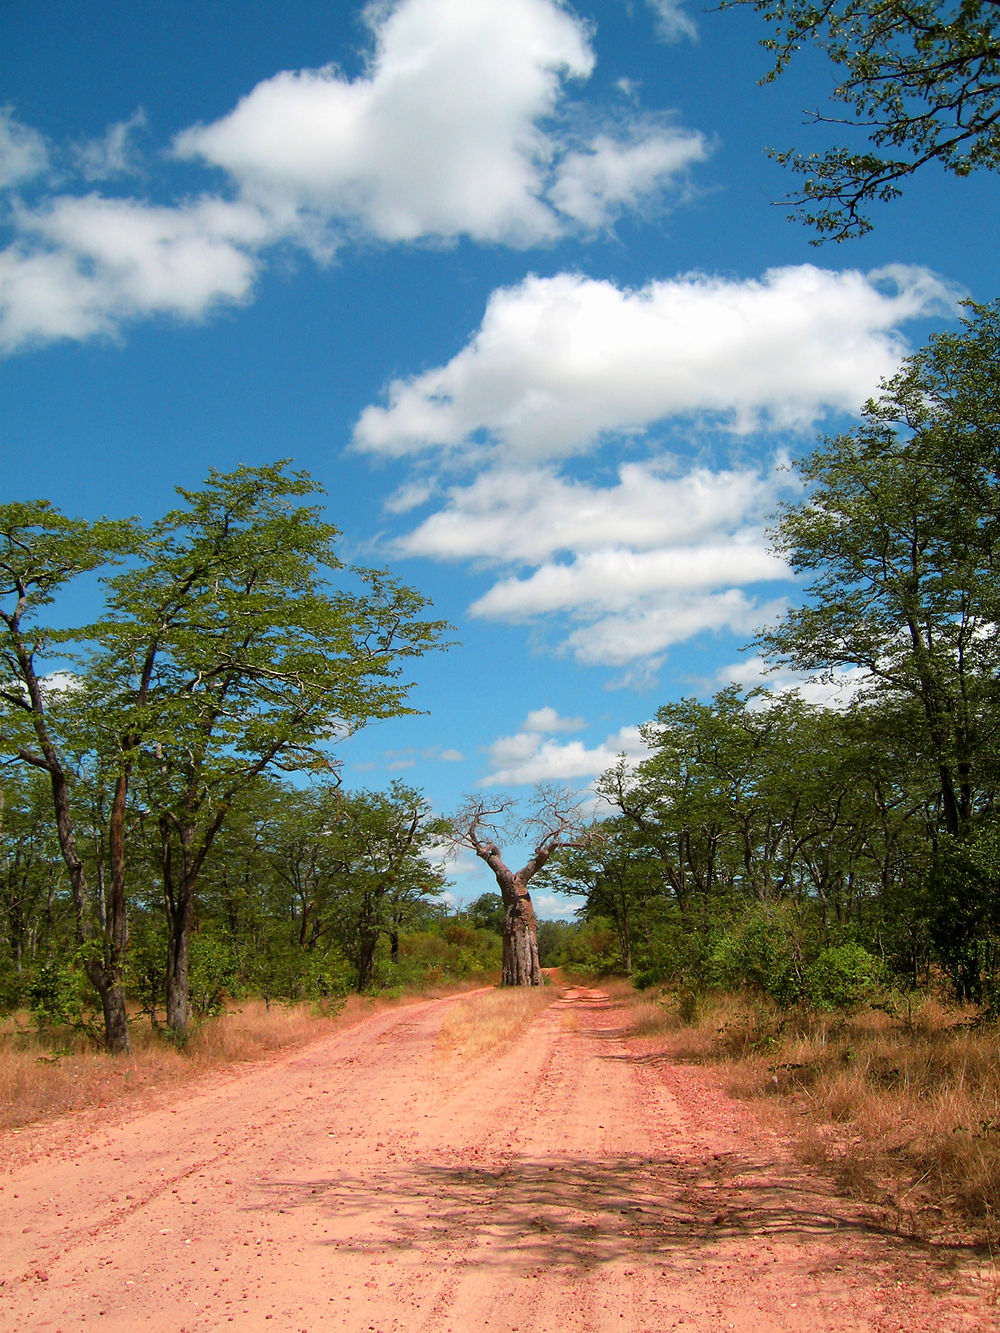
[(827, 851), (51, 1071), (901, 1105)]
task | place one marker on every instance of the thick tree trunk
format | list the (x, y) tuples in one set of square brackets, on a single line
[(520, 945), (116, 1037)]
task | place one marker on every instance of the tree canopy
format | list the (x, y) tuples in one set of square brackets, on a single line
[(900, 535), (921, 79), (232, 643)]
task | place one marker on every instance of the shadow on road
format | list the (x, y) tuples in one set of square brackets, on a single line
[(581, 1212)]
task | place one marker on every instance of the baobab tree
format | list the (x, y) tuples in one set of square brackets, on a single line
[(480, 824)]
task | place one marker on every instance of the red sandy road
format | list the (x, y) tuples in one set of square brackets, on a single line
[(366, 1183)]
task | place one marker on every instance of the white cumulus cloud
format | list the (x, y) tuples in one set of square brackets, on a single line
[(592, 185), (547, 720), (85, 264), (450, 131), (526, 516), (626, 570), (653, 624), (613, 580), (559, 362), (529, 757), (461, 124)]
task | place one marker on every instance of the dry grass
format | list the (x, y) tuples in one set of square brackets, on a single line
[(905, 1112), (47, 1075), (482, 1024)]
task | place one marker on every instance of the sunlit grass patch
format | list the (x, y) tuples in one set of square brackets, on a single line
[(485, 1023)]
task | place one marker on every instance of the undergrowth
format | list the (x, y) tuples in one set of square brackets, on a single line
[(903, 1107)]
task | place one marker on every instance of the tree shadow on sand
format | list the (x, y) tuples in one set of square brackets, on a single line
[(576, 1212)]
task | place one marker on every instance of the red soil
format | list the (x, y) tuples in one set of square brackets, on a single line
[(571, 1181)]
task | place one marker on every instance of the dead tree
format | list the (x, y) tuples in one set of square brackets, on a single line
[(478, 825)]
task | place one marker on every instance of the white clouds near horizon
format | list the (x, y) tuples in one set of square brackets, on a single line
[(557, 363), (627, 569), (531, 756)]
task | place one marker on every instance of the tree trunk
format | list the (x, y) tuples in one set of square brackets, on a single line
[(104, 974), (367, 944), (520, 945), (178, 979), (116, 1037), (180, 919)]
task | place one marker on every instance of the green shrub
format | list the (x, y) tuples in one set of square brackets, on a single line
[(212, 970), (58, 995), (842, 978), (593, 949), (756, 953)]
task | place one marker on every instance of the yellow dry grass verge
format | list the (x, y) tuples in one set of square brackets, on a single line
[(482, 1024), (44, 1076), (903, 1110)]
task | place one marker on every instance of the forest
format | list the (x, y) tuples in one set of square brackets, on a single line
[(173, 830)]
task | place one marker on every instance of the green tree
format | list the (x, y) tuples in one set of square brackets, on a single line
[(385, 841), (225, 652), (32, 874), (41, 552), (230, 653), (487, 912), (617, 875), (346, 871), (921, 79), (900, 534)]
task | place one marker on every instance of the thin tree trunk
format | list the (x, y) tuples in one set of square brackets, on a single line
[(178, 987)]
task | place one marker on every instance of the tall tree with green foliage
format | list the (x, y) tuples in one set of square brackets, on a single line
[(41, 553), (385, 841), (230, 653), (617, 875), (922, 80), (225, 651), (900, 536)]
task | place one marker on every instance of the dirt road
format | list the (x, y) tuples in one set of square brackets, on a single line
[(567, 1182)]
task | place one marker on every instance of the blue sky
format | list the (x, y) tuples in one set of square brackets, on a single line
[(508, 277)]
